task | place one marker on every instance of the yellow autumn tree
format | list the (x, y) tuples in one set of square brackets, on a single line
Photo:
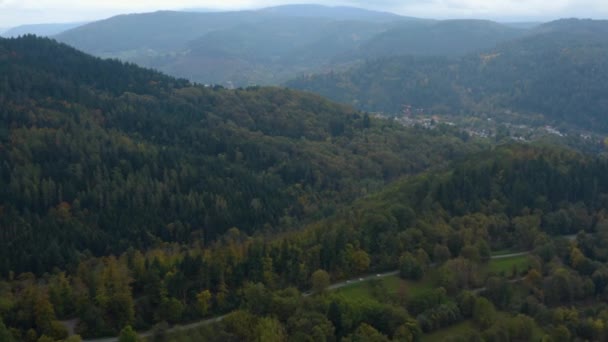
[(203, 300), (114, 294)]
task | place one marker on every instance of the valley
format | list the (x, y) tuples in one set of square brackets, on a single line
[(548, 77)]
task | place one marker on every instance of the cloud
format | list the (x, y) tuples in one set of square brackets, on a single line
[(500, 9), (15, 12)]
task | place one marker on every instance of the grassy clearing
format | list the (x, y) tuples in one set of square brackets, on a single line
[(359, 290), (392, 285), (446, 333), (507, 265), (462, 327), (504, 252), (395, 285)]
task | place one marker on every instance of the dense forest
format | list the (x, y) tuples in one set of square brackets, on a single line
[(133, 201), (442, 227), (450, 38), (555, 71), (99, 156)]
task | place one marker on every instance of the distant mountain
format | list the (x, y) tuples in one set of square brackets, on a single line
[(272, 45), (165, 31), (587, 29), (125, 36), (41, 30), (267, 46), (523, 25), (558, 71), (438, 38), (200, 9), (335, 13), (265, 53)]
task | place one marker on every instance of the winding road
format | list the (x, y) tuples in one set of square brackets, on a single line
[(332, 287), (507, 256), (362, 279), (195, 325)]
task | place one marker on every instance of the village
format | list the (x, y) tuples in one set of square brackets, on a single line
[(490, 128)]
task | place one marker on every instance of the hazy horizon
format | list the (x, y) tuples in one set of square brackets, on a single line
[(25, 12)]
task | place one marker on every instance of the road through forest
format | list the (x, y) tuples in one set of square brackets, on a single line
[(332, 287)]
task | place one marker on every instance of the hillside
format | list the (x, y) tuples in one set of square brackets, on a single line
[(265, 53), (170, 31), (555, 71), (272, 45), (154, 33), (132, 201), (438, 38), (262, 47), (42, 30), (332, 12), (101, 156), (439, 230)]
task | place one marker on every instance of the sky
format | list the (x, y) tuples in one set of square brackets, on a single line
[(18, 12)]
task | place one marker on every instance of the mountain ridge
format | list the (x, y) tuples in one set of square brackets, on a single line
[(553, 71), (43, 30), (335, 12), (272, 45)]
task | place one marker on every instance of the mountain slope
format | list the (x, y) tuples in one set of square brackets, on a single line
[(42, 30), (333, 12), (272, 45), (555, 71), (441, 38), (158, 32), (265, 53), (267, 46), (165, 31), (99, 156)]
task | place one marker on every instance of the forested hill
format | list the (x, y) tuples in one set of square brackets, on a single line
[(99, 156), (513, 197), (170, 31), (334, 12), (437, 38), (241, 48), (556, 71), (272, 45), (39, 29)]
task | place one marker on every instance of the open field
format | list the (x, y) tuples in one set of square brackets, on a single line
[(506, 266), (391, 285), (444, 334), (462, 327), (504, 252)]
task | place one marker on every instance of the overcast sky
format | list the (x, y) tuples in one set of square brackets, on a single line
[(17, 12)]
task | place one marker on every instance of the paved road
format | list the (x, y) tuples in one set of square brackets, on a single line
[(512, 281), (362, 279), (506, 256), (176, 328), (333, 287)]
